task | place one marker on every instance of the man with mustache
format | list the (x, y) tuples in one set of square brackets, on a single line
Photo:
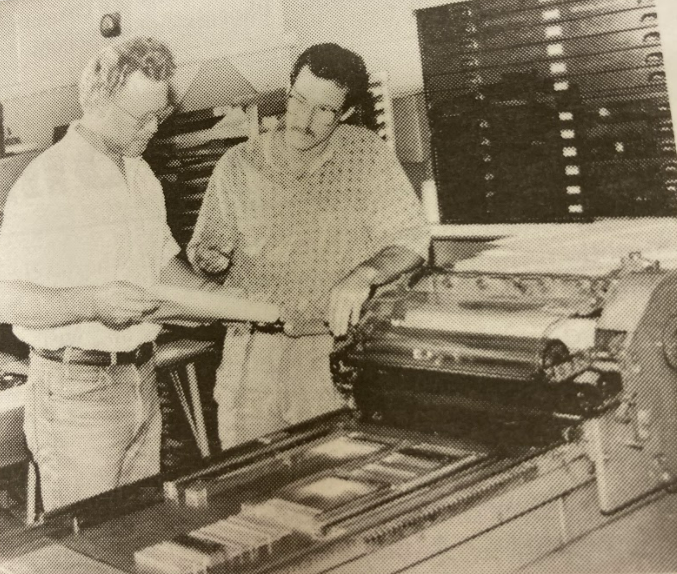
[(86, 221), (312, 216)]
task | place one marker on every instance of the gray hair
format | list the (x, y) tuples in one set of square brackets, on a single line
[(107, 72)]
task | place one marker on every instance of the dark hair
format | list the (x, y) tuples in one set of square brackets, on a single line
[(346, 69)]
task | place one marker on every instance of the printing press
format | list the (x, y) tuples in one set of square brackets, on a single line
[(513, 406)]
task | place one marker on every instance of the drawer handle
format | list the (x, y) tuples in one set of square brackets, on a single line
[(654, 58), (656, 78), (469, 62), (652, 38), (671, 168), (470, 28), (648, 17), (470, 45), (464, 11)]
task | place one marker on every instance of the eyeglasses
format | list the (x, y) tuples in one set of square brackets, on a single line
[(143, 121), (322, 114)]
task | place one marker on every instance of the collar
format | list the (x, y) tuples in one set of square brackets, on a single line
[(275, 154), (99, 143)]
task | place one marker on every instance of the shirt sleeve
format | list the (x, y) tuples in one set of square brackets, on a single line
[(216, 224), (170, 248), (38, 238), (393, 213)]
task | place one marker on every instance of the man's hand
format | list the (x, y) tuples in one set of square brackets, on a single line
[(211, 259), (347, 298), (120, 304)]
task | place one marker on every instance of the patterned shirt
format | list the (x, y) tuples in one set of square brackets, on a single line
[(291, 237)]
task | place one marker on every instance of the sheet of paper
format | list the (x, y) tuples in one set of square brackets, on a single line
[(529, 323), (196, 305), (345, 448), (328, 492)]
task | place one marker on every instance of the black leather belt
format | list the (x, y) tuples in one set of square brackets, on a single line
[(77, 356)]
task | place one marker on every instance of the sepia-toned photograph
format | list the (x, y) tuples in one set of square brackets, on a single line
[(338, 286)]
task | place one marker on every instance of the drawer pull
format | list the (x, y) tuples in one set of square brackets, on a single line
[(652, 38), (470, 62), (656, 77), (649, 17), (654, 58)]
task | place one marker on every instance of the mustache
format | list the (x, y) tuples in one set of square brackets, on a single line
[(303, 131)]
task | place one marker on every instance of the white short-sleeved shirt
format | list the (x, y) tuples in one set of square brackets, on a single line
[(73, 220)]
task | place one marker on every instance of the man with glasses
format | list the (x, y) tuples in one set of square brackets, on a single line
[(87, 219), (312, 216)]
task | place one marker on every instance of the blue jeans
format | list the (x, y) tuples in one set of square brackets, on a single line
[(91, 429)]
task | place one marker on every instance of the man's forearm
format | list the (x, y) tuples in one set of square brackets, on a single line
[(390, 263), (34, 306)]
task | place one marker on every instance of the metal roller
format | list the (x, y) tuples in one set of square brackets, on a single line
[(511, 346)]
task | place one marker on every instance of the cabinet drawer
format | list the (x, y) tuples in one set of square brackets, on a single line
[(566, 89), (555, 32), (627, 147), (491, 7), (559, 68), (610, 112), (442, 23), (633, 188), (482, 22), (614, 81), (445, 58)]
